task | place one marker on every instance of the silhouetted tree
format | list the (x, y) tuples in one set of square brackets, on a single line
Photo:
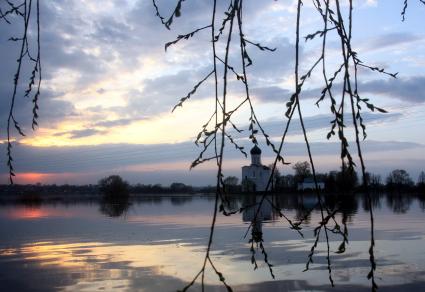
[(287, 182), (231, 184), (421, 182), (277, 178), (113, 186), (346, 179), (330, 181), (374, 180), (116, 195), (180, 188), (302, 170), (337, 23), (231, 181), (399, 179)]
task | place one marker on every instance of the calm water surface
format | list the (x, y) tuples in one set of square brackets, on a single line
[(158, 244)]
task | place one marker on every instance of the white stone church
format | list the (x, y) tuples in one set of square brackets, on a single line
[(256, 175)]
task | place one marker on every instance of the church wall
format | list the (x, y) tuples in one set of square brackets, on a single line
[(257, 174)]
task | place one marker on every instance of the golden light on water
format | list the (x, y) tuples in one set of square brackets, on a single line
[(169, 258)]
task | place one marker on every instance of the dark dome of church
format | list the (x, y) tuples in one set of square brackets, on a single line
[(255, 150)]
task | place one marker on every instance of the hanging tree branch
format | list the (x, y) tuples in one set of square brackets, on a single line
[(23, 12)]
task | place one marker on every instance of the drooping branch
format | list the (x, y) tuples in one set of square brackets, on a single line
[(344, 102)]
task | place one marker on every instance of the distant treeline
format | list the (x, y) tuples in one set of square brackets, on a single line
[(344, 180), (95, 190), (334, 181)]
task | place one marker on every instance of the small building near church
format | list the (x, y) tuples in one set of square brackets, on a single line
[(255, 176), (308, 184)]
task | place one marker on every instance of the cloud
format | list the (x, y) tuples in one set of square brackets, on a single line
[(161, 94), (84, 44), (119, 156), (76, 134), (411, 89), (51, 110), (390, 40), (271, 94), (114, 123), (275, 128), (271, 66)]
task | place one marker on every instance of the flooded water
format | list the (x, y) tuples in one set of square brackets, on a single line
[(158, 244)]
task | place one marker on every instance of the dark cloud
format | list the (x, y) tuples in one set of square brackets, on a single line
[(51, 110), (114, 123), (162, 93), (390, 40), (95, 45), (112, 31), (56, 54), (329, 148), (276, 127), (65, 39), (273, 64), (279, 94), (271, 94), (98, 45), (76, 134), (118, 156), (268, 66), (411, 89)]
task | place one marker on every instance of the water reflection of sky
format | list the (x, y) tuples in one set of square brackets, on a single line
[(158, 245)]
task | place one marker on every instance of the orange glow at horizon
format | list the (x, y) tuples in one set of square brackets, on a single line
[(33, 177), (39, 177), (28, 213)]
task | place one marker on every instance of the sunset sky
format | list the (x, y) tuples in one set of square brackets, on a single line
[(108, 89)]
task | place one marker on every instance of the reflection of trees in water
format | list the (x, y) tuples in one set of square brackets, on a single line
[(31, 199), (116, 197), (256, 209), (152, 199), (303, 205), (231, 204), (303, 214), (399, 202), (337, 23), (347, 206), (373, 199), (421, 199), (180, 200), (114, 207)]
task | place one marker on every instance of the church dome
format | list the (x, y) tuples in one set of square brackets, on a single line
[(255, 150)]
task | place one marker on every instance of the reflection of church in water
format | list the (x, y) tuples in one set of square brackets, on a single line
[(257, 211), (255, 176)]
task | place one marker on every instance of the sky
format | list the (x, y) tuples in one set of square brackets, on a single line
[(109, 87)]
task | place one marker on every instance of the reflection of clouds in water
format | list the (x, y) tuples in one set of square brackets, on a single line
[(104, 263)]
